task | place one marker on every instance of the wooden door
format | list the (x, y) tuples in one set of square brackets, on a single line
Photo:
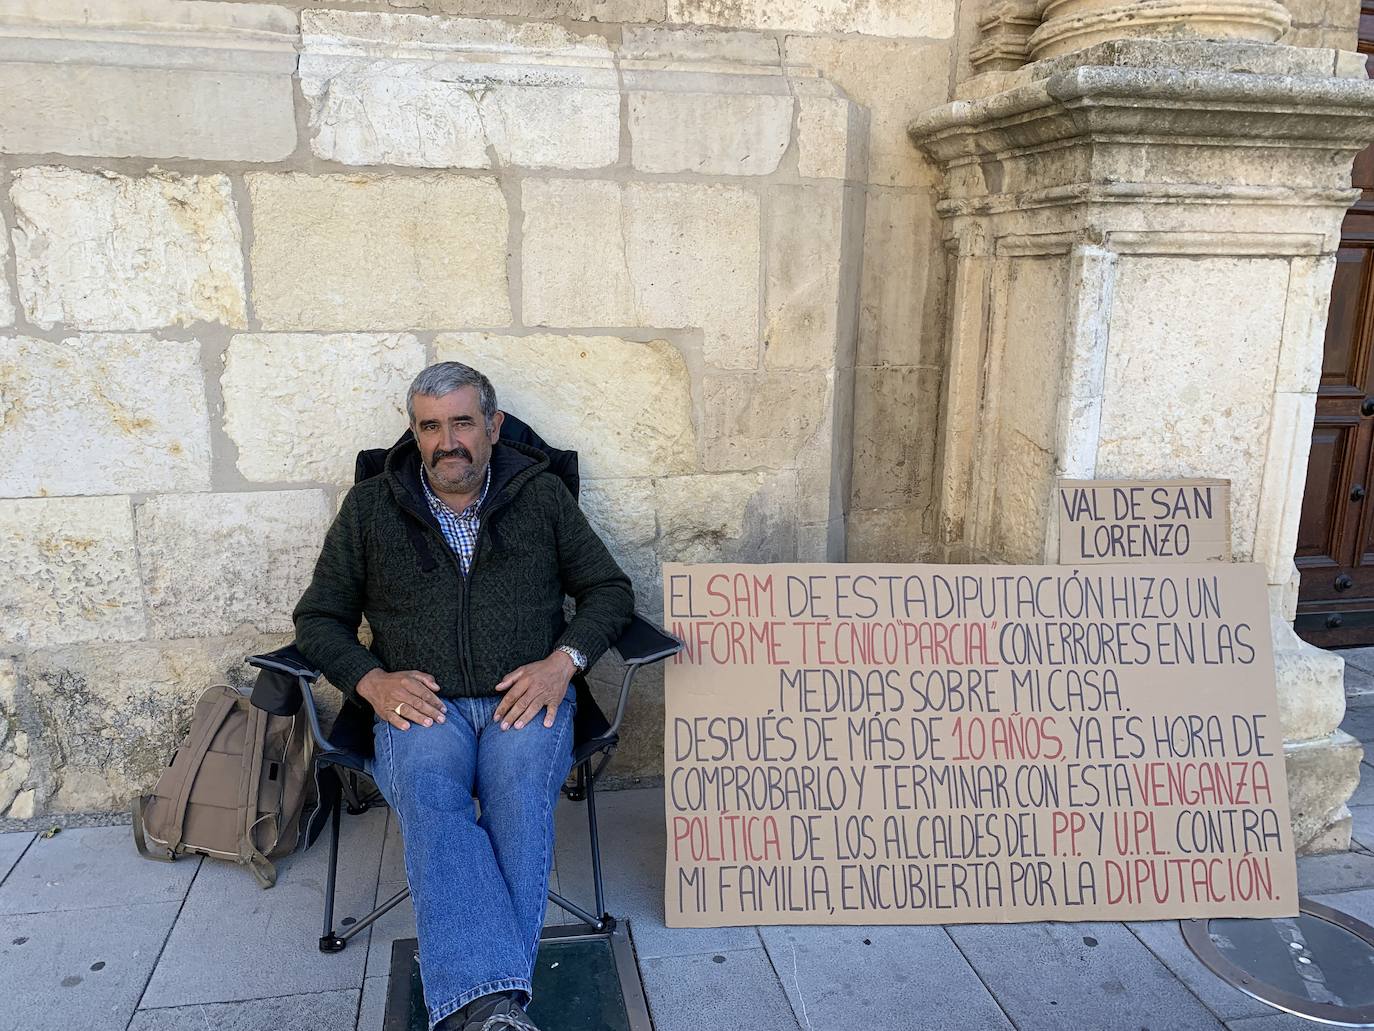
[(1335, 553)]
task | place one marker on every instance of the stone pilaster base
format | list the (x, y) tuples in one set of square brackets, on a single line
[(1322, 773)]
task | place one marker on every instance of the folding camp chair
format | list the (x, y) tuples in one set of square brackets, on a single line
[(340, 758)]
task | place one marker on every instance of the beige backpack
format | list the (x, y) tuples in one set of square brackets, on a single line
[(237, 788)]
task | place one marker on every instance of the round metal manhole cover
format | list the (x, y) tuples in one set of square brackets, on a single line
[(1319, 964)]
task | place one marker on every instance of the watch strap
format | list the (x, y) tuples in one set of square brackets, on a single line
[(579, 660)]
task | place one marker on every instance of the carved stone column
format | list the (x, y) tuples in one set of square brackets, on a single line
[(1141, 238), (1068, 25)]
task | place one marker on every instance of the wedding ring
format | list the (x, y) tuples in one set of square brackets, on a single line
[(398, 709)]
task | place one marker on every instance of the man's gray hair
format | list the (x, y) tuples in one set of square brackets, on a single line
[(445, 378)]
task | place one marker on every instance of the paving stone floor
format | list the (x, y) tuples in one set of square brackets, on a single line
[(94, 938)]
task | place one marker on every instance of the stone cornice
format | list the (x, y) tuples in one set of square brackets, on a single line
[(1079, 195), (150, 33), (473, 50), (1124, 104), (416, 37)]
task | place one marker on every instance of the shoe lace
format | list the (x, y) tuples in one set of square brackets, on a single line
[(515, 1021)]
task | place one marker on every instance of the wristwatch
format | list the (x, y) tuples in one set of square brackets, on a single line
[(579, 660)]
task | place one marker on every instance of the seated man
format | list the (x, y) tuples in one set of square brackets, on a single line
[(459, 554)]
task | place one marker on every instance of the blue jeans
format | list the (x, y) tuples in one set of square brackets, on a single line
[(478, 885)]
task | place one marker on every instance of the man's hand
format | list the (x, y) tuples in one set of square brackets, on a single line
[(413, 692), (538, 685)]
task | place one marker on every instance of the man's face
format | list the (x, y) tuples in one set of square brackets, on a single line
[(454, 443)]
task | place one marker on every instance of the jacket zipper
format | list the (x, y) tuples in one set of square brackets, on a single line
[(464, 612), (464, 620)]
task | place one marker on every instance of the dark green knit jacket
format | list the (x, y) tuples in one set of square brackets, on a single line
[(385, 558)]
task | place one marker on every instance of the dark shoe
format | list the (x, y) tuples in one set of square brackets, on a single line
[(472, 1014), (508, 1015)]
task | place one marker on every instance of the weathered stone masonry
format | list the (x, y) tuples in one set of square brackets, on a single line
[(690, 238), (221, 274)]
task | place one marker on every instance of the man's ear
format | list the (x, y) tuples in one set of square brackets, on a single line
[(496, 420)]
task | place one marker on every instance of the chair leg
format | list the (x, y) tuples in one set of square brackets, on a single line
[(381, 911), (349, 784), (329, 941), (596, 846), (578, 791)]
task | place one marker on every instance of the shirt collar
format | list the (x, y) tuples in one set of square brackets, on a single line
[(434, 500)]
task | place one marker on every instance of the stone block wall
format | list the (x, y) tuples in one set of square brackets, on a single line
[(687, 238), (1324, 23)]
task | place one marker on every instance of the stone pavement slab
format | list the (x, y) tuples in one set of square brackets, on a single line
[(1274, 1022), (658, 940), (1339, 871), (320, 1011), (242, 957), (398, 923), (236, 941), (12, 846), (723, 991), (78, 969), (1364, 791), (393, 869), (1359, 724), (1359, 903), (1362, 824), (633, 846), (879, 979), (372, 1011), (89, 867), (630, 827), (1085, 976), (1164, 938), (1359, 676), (1357, 658)]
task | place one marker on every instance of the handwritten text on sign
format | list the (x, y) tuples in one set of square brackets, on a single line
[(935, 744), (1144, 520)]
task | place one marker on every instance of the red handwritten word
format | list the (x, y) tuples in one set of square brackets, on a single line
[(1230, 879), (731, 642), (1006, 737), (727, 838), (894, 644), (740, 595), (1203, 783)]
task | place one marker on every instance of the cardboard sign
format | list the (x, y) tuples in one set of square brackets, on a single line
[(1144, 520), (943, 744)]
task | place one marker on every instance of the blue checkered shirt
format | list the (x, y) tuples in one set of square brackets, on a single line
[(459, 528)]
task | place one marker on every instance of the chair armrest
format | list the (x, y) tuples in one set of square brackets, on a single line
[(286, 660), (643, 643), (284, 686)]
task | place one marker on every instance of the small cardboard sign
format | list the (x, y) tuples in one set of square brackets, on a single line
[(865, 744), (1144, 520)]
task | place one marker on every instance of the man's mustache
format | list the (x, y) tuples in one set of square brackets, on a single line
[(458, 452)]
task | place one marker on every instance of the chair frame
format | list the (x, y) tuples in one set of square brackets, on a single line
[(642, 644)]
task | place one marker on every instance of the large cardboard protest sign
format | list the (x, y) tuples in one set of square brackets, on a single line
[(941, 744), (1144, 520)]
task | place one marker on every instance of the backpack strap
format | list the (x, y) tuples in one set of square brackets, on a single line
[(197, 746), (262, 867), (140, 841), (250, 784)]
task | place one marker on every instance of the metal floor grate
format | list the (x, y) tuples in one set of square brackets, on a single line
[(582, 982), (1318, 965)]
